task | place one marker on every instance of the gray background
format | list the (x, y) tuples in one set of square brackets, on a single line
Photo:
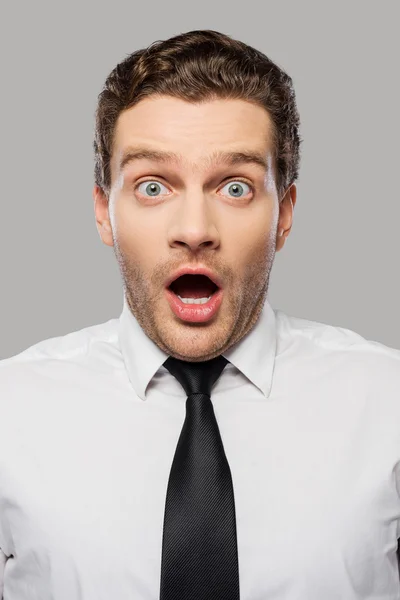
[(340, 264)]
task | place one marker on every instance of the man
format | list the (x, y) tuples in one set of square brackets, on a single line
[(202, 445)]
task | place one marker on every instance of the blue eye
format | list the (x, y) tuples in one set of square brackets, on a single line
[(151, 187), (236, 188)]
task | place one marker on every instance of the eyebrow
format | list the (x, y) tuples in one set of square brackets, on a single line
[(222, 157)]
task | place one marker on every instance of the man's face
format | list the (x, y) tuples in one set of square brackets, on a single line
[(193, 211)]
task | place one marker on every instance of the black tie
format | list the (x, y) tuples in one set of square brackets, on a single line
[(199, 551)]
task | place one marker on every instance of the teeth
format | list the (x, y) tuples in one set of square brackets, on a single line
[(194, 300)]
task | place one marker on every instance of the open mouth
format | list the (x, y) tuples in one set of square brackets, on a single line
[(193, 288), (194, 298)]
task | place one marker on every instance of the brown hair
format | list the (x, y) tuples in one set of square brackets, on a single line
[(195, 66)]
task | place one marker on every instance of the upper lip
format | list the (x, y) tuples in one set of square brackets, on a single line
[(190, 270)]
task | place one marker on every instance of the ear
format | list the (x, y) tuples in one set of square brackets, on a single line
[(101, 211), (285, 221)]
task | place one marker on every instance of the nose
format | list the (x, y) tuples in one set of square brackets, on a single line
[(193, 223)]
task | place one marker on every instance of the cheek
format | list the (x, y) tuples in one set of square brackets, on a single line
[(133, 226), (140, 239), (251, 238)]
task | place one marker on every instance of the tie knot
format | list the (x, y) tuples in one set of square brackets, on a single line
[(196, 377)]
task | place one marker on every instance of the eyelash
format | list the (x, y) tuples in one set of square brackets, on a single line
[(251, 186)]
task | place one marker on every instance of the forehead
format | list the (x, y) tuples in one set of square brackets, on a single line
[(193, 131)]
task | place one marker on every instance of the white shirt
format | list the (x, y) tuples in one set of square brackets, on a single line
[(309, 415)]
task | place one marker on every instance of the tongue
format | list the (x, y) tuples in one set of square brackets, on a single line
[(193, 286)]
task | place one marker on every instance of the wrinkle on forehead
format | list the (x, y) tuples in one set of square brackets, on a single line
[(174, 132), (217, 157)]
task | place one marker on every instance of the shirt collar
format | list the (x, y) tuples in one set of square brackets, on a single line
[(253, 355)]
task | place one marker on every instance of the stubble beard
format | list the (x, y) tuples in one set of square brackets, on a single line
[(245, 306)]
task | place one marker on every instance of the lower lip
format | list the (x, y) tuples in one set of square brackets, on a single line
[(195, 313)]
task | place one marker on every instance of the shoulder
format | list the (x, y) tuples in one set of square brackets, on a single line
[(343, 349), (52, 382), (53, 355)]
